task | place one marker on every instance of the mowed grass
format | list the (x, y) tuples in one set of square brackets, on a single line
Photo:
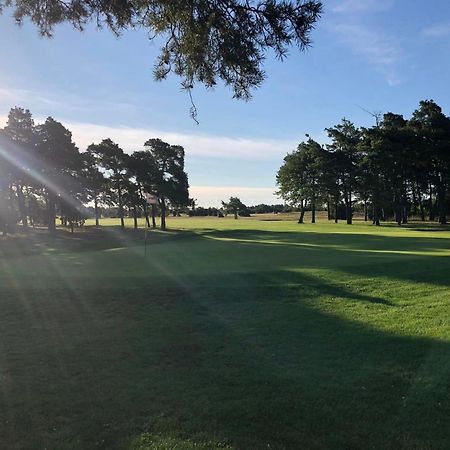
[(249, 334)]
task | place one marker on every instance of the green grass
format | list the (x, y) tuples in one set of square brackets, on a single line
[(247, 334)]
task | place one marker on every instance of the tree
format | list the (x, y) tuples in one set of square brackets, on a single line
[(344, 144), (170, 179), (20, 131), (236, 207), (203, 39), (143, 167), (59, 166), (298, 178), (95, 184), (113, 162), (432, 129)]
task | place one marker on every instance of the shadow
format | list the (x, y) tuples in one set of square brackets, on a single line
[(258, 339), (38, 241), (418, 259), (420, 226)]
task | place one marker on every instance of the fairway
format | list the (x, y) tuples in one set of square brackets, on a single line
[(249, 334)]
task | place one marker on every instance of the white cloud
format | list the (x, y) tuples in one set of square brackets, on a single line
[(353, 24), (378, 49), (195, 144), (12, 96), (131, 139), (438, 30), (356, 6), (203, 145), (213, 195)]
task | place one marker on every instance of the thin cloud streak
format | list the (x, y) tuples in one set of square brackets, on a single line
[(380, 52), (438, 30), (358, 6), (12, 96), (131, 139), (352, 24), (211, 146)]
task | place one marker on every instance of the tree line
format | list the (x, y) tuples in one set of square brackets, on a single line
[(397, 168), (44, 175)]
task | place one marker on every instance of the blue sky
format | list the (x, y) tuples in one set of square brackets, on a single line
[(380, 55)]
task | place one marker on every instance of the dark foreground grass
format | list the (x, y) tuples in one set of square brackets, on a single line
[(245, 335)]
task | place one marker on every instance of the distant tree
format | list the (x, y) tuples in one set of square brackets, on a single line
[(113, 162), (142, 166), (298, 178), (95, 184), (432, 129), (60, 168), (132, 199), (204, 39), (20, 131), (236, 207), (170, 180), (345, 138)]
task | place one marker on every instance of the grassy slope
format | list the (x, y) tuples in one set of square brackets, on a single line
[(259, 334)]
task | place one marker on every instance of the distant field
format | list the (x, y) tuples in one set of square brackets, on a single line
[(252, 333)]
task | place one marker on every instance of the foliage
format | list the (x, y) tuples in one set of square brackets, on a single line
[(396, 169), (203, 39), (43, 175), (236, 207)]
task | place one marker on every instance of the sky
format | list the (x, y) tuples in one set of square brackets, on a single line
[(367, 55)]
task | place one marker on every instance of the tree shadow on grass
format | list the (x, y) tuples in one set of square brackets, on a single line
[(413, 258), (261, 358), (350, 241), (39, 241), (246, 360)]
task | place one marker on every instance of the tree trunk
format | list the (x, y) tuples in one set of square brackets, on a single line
[(349, 209), (404, 204), (97, 221), (376, 208), (336, 209), (328, 208), (122, 221), (421, 208), (430, 203), (397, 208), (313, 210), (302, 212), (51, 213), (442, 191), (163, 213), (153, 216), (376, 215), (147, 220), (22, 206), (11, 222), (414, 199), (366, 212), (135, 221)]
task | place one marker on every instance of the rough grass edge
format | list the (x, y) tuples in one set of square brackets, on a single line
[(147, 441)]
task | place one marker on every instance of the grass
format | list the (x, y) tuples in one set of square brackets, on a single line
[(247, 334)]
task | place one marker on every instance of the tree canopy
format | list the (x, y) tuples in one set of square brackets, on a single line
[(394, 169), (43, 175), (203, 40)]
